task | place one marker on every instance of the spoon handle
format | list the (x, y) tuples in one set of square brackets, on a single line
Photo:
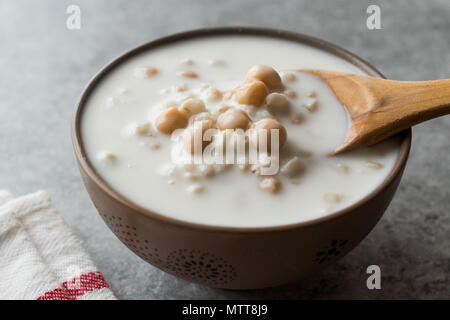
[(406, 103), (381, 108)]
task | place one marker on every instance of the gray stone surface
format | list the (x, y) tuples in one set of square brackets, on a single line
[(44, 67)]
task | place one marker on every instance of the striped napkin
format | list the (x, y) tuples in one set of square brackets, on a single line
[(40, 258)]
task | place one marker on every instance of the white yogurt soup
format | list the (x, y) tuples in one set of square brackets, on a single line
[(139, 122)]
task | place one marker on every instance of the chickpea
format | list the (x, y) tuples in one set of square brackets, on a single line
[(270, 185), (214, 94), (305, 153), (222, 109), (171, 119), (277, 102), (193, 106), (311, 94), (333, 197), (187, 61), (180, 88), (311, 106), (288, 77), (269, 124), (228, 95), (251, 93), (244, 167), (216, 63), (191, 176), (296, 118), (292, 168), (188, 74), (291, 94), (143, 129), (170, 104), (145, 72), (107, 157), (374, 164), (186, 97), (204, 86), (266, 74), (343, 168), (155, 145), (207, 170), (195, 188), (233, 119), (198, 128)]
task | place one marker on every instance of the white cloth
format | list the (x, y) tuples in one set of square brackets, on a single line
[(40, 258)]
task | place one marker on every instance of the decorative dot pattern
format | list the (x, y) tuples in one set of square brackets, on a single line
[(149, 254), (333, 250), (190, 264), (129, 236), (199, 266)]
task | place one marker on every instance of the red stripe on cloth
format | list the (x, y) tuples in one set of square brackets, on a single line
[(76, 287)]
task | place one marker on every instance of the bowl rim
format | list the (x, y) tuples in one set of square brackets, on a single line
[(89, 170)]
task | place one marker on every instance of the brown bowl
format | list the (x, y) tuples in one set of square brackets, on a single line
[(233, 257)]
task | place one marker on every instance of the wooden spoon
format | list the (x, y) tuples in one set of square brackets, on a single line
[(379, 108)]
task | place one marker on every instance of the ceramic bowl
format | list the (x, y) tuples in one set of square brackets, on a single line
[(233, 257)]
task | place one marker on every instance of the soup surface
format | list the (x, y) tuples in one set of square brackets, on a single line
[(127, 133)]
